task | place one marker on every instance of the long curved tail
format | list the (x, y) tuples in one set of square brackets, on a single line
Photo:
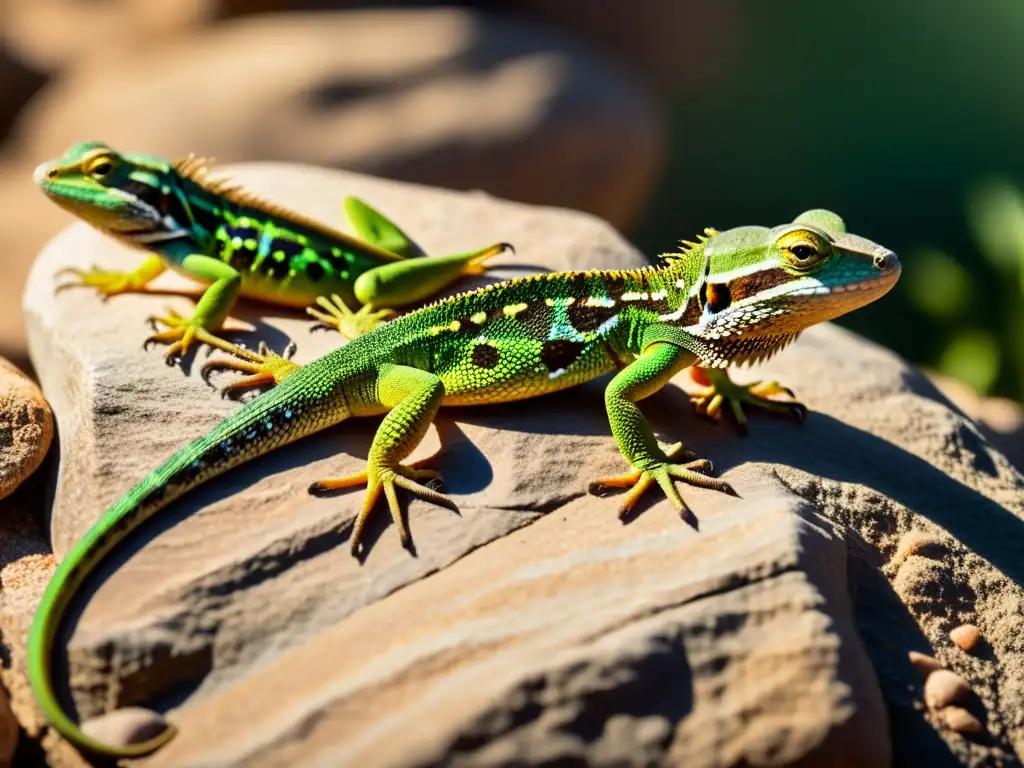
[(299, 406)]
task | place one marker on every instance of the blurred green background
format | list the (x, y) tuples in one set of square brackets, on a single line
[(908, 119)]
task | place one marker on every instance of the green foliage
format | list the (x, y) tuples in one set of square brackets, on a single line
[(907, 119)]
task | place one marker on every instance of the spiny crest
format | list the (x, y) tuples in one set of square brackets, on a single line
[(538, 278), (688, 247), (196, 169)]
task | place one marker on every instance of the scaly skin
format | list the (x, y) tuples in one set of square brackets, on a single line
[(239, 245), (734, 297)]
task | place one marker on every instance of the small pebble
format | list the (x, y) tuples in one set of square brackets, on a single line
[(960, 720), (966, 636), (943, 688), (919, 543), (924, 663), (124, 727)]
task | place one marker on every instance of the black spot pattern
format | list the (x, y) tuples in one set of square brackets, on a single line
[(485, 356), (586, 318), (560, 354), (315, 270), (242, 259), (275, 268), (536, 319), (339, 262)]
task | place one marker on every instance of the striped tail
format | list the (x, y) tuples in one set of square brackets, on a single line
[(299, 406)]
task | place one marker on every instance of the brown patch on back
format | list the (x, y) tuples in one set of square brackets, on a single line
[(586, 318)]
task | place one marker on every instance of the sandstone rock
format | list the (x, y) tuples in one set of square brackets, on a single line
[(1001, 420), (532, 627), (26, 427)]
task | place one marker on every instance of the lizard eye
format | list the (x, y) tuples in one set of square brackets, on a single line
[(100, 168), (803, 251)]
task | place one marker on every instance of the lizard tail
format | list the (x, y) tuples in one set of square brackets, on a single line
[(282, 415)]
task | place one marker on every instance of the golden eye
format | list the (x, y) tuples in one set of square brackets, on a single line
[(100, 168), (804, 248)]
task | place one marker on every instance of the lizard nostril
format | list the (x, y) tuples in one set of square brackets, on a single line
[(53, 173), (882, 261)]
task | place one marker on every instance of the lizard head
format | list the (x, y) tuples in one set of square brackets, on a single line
[(773, 283), (123, 195)]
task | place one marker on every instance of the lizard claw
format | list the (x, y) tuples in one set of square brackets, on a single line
[(335, 313), (694, 471), (386, 479), (721, 392)]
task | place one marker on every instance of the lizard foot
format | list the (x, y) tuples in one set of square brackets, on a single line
[(270, 368), (182, 331), (693, 471), (719, 390), (106, 282), (386, 479), (337, 315)]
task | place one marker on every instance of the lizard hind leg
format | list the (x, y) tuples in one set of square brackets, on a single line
[(720, 392), (110, 283), (412, 397)]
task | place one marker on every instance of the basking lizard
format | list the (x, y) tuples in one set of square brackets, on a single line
[(737, 296), (215, 233)]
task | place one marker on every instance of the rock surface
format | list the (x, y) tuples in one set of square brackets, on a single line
[(447, 97), (26, 428), (534, 626)]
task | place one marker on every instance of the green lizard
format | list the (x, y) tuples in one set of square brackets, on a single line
[(737, 296), (215, 233)]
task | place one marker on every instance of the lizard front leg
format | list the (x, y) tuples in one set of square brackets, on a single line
[(110, 283), (211, 310), (651, 461), (719, 391), (411, 397)]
